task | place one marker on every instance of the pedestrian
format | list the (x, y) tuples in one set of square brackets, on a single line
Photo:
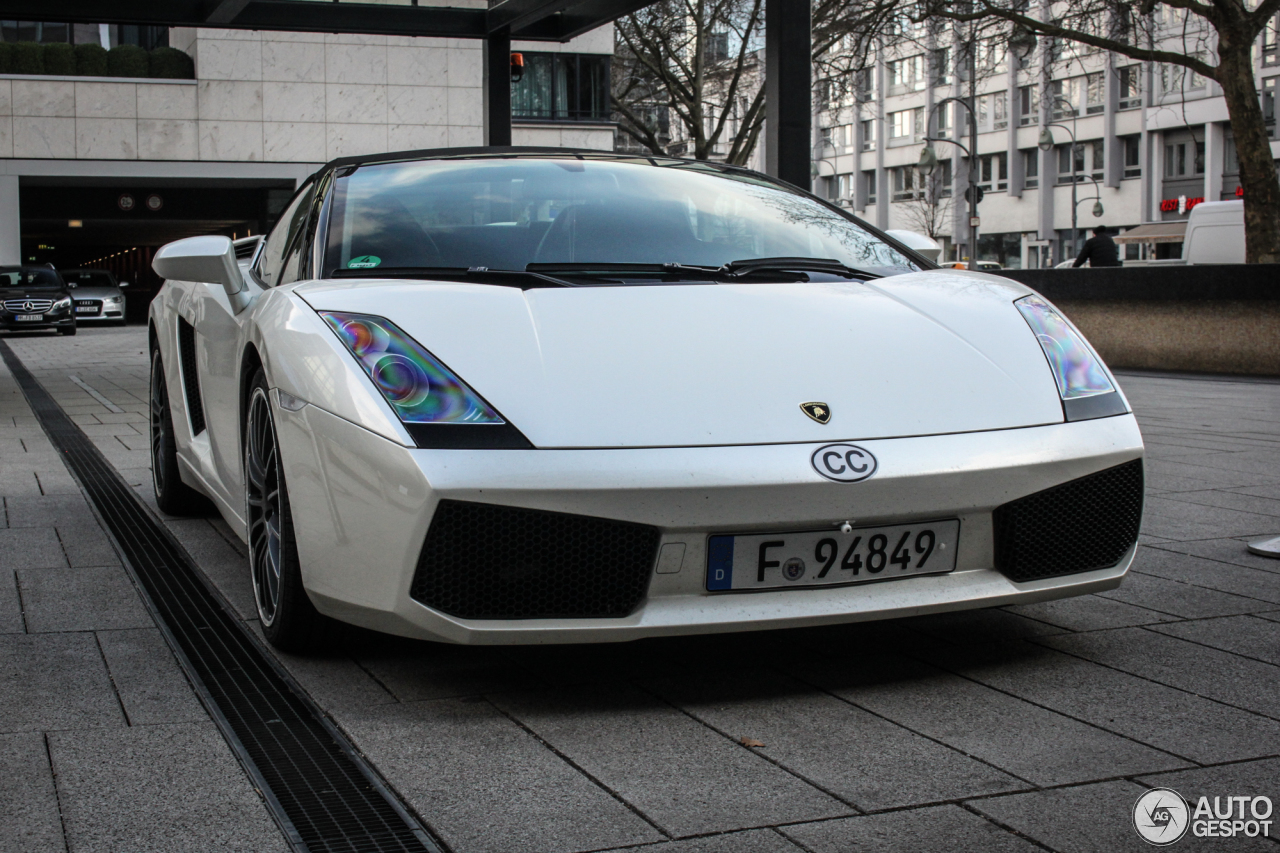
[(1099, 250)]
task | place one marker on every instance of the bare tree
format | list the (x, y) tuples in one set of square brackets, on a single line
[(696, 61), (929, 210), (1212, 38)]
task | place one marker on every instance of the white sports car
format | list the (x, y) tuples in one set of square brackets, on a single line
[(547, 396)]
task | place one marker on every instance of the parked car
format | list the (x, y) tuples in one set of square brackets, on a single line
[(35, 298), (1215, 233), (98, 298), (540, 396)]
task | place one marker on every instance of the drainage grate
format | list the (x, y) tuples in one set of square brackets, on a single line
[(323, 795)]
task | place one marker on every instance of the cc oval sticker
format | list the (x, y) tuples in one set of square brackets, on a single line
[(844, 463)]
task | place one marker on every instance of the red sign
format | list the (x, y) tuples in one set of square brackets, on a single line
[(1170, 205)]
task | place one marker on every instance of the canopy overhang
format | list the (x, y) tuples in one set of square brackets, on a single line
[(1155, 232)]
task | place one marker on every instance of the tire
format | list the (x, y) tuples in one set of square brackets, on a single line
[(67, 330), (289, 620), (172, 495)]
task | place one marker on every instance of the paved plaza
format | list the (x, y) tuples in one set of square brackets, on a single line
[(1018, 729)]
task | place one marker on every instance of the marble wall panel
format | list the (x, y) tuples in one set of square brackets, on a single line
[(294, 142), (355, 63), (6, 98), (229, 59), (44, 137), (6, 136), (44, 98), (409, 137), (293, 102), (417, 66), (348, 103), (417, 41), (106, 100), (292, 60), (345, 140), (466, 66), (466, 106), (107, 138), (465, 136), (356, 39), (166, 101), (228, 100), (526, 135), (230, 140), (598, 138), (418, 105), (167, 139)]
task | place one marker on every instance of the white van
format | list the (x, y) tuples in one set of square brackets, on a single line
[(1215, 233)]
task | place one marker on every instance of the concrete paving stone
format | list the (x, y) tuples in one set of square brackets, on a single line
[(751, 841), (10, 605), (1245, 461), (134, 442), (49, 511), (1180, 599), (861, 758), (487, 786), (1175, 529), (1212, 673), (1032, 743), (1242, 635), (223, 565), (87, 599), (151, 685), (82, 420), (54, 681), (1245, 778), (935, 828), (415, 671), (1271, 490), (97, 431), (122, 418), (1093, 818), (1236, 500), (1225, 577), (1273, 615), (87, 545), (335, 681), (1224, 522), (16, 482), (630, 742), (158, 788), (1162, 717), (30, 548), (1089, 613), (1234, 551), (29, 820), (985, 624), (136, 476), (56, 481), (1177, 475)]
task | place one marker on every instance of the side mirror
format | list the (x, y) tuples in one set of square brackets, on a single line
[(205, 259)]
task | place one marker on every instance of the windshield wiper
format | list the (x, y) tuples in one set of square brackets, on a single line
[(614, 270), (523, 279), (747, 266)]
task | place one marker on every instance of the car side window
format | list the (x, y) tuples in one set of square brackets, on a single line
[(271, 258)]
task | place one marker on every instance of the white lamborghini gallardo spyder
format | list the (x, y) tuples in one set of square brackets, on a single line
[(550, 396)]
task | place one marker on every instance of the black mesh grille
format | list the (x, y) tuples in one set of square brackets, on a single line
[(1086, 524), (190, 376), (495, 562)]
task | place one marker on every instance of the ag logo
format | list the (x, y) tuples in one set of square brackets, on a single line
[(1161, 816), (843, 463), (820, 412)]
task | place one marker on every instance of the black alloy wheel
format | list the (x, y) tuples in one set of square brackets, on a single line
[(172, 495), (289, 620)]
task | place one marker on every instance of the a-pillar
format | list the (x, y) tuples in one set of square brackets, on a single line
[(497, 88), (10, 224), (788, 95)]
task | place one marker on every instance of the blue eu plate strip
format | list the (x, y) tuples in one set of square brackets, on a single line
[(720, 563)]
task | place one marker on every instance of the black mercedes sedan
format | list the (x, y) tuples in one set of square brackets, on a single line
[(35, 298)]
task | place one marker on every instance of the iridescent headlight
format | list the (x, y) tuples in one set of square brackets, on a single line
[(1076, 369), (416, 384)]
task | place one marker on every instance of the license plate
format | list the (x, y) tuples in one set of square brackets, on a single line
[(86, 309), (829, 557), (36, 317)]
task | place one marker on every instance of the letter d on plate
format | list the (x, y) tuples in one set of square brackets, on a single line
[(843, 463)]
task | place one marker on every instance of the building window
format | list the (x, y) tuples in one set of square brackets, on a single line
[(562, 87), (1098, 158), (1132, 156), (1176, 79), (1028, 105), (1270, 56), (146, 37), (906, 75), (1130, 79), (865, 84), (905, 124), (1066, 162), (829, 137), (869, 181), (1031, 168), (1004, 249), (993, 172), (907, 183), (942, 67), (1183, 159), (1269, 104), (1095, 93), (844, 187), (869, 135)]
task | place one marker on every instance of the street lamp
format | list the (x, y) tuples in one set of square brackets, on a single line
[(1046, 143), (929, 161)]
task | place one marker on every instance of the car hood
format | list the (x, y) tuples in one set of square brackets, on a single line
[(86, 292), (686, 365)]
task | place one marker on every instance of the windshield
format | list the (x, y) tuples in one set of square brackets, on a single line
[(29, 277), (89, 278), (506, 213)]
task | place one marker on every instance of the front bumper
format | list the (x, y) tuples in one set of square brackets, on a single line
[(362, 506), (8, 323)]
